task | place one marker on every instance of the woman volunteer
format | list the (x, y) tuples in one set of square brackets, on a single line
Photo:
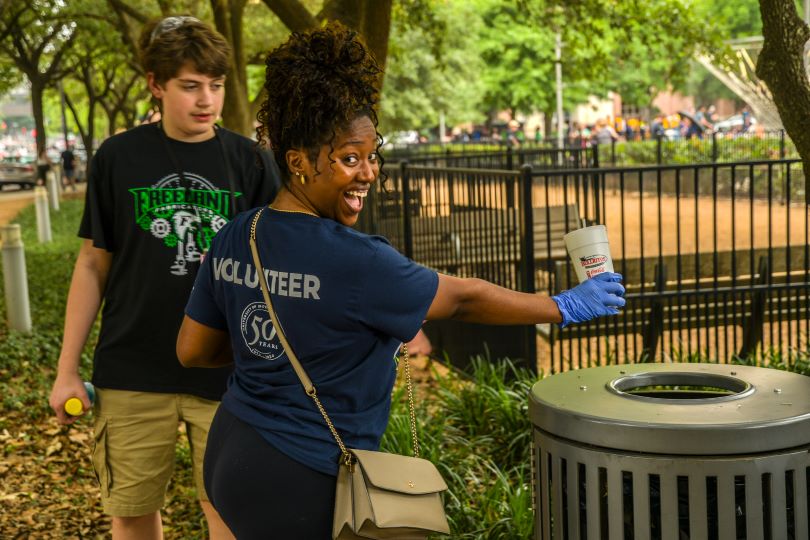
[(345, 300)]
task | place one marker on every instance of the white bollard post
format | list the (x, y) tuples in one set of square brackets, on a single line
[(43, 216), (15, 279), (53, 190)]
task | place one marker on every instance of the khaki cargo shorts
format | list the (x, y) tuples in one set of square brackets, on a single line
[(135, 438)]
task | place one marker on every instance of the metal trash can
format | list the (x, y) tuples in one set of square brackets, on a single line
[(671, 452)]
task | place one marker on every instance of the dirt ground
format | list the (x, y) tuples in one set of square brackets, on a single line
[(702, 223)]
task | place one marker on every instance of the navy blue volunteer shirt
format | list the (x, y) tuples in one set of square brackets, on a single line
[(345, 300)]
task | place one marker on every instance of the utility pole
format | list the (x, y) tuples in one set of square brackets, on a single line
[(558, 69)]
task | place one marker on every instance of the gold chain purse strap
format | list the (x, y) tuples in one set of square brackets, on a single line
[(309, 388)]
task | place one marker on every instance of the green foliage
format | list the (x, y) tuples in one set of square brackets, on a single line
[(477, 432), (27, 361), (427, 75)]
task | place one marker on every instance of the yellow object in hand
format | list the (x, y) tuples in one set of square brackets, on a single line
[(74, 407)]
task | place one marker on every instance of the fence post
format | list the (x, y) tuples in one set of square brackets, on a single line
[(509, 158), (659, 152), (406, 209), (15, 279), (43, 216), (753, 326), (595, 150), (527, 249), (782, 144), (714, 147), (654, 328), (53, 189)]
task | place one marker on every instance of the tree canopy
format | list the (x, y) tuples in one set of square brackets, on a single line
[(465, 59)]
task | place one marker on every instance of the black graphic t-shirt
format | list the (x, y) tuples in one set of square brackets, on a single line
[(158, 229)]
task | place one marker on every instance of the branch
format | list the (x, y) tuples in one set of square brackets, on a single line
[(292, 14), (57, 58), (75, 115), (125, 8)]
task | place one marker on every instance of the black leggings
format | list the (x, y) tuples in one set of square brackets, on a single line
[(260, 492)]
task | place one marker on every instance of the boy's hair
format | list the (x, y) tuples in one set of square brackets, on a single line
[(167, 44), (317, 83)]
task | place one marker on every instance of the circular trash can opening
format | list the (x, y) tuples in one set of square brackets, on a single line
[(690, 387)]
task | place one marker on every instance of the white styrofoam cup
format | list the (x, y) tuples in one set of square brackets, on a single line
[(589, 251)]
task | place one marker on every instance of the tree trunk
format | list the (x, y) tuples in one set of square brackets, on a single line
[(236, 111), (781, 65), (112, 116), (37, 89), (376, 27)]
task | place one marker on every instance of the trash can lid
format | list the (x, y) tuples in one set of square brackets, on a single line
[(690, 409)]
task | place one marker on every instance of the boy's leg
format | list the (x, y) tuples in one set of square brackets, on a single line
[(198, 413), (135, 438), (136, 528)]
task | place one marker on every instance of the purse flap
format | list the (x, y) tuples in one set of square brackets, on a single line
[(404, 474)]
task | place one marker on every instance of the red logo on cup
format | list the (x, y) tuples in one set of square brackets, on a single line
[(591, 261)]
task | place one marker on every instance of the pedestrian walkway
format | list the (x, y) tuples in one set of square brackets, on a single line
[(12, 202)]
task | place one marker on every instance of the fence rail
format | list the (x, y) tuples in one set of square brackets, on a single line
[(711, 148), (715, 256)]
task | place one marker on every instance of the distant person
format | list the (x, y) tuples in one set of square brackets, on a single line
[(538, 135), (657, 130), (702, 120), (43, 167), (69, 168), (513, 133), (604, 133)]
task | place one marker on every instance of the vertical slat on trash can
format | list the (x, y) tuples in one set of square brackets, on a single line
[(753, 507), (778, 505), (615, 514), (669, 508), (592, 496), (800, 501), (726, 518), (557, 496), (573, 480), (543, 487), (641, 506), (698, 526)]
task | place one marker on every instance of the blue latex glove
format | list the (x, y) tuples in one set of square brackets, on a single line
[(596, 297)]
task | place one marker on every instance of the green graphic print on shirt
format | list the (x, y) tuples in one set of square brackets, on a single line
[(186, 220)]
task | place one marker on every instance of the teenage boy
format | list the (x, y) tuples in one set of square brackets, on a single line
[(157, 195)]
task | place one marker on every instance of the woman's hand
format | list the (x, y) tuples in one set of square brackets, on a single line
[(596, 297)]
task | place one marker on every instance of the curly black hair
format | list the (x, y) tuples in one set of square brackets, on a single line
[(317, 84)]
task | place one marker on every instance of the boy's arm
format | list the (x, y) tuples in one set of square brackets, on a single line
[(83, 302)]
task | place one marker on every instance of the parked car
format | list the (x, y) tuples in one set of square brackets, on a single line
[(20, 171)]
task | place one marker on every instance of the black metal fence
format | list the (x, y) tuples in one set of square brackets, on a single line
[(712, 148), (511, 158), (715, 256)]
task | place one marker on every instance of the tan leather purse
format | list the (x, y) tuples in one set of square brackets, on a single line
[(378, 495)]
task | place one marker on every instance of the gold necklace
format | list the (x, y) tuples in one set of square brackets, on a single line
[(294, 211)]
